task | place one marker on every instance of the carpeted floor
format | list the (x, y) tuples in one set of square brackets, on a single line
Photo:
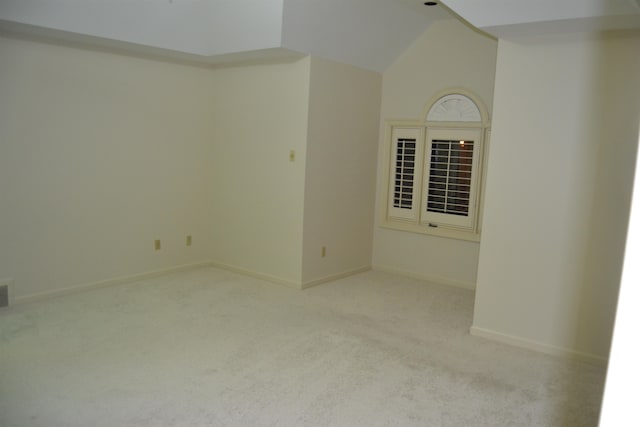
[(212, 348)]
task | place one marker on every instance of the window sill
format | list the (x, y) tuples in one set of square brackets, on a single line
[(448, 233)]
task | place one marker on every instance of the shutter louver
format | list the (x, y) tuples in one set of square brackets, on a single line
[(450, 175), (405, 158)]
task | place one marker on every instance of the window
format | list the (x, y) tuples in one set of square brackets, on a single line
[(434, 170)]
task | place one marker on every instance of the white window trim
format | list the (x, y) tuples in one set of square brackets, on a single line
[(418, 221)]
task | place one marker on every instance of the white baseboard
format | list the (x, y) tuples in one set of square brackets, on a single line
[(426, 277), (333, 277), (538, 346), (255, 274), (141, 276), (286, 282), (103, 283)]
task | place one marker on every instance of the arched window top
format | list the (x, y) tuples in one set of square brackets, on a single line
[(456, 105)]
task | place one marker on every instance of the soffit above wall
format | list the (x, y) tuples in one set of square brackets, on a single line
[(66, 38), (197, 27), (514, 18), (367, 33)]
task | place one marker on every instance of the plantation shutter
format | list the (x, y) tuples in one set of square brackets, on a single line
[(450, 177), (450, 186), (405, 172)]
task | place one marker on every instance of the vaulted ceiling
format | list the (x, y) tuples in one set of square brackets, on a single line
[(366, 33)]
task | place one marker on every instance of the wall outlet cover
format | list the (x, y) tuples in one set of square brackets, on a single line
[(5, 287)]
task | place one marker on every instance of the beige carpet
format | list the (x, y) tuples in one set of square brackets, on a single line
[(212, 348)]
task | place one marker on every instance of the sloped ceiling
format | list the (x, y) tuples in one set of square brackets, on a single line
[(367, 33)]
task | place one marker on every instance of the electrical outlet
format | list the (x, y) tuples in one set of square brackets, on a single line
[(188, 241), (323, 252), (157, 246), (5, 289)]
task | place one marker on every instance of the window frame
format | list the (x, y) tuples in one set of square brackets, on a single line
[(419, 220)]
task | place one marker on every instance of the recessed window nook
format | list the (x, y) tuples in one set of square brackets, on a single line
[(434, 168)]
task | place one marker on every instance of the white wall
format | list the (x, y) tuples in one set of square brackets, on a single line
[(344, 108), (565, 126), (448, 54), (99, 155), (102, 154), (260, 114)]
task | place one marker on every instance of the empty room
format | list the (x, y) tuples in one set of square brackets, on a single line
[(313, 213)]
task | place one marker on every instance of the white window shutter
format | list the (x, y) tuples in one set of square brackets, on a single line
[(450, 184), (405, 173)]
